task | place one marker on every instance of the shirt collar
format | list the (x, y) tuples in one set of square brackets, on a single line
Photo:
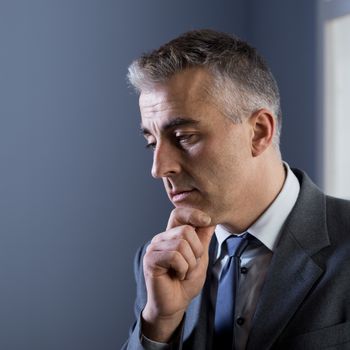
[(269, 225)]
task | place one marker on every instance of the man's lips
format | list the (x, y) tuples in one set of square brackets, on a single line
[(179, 195)]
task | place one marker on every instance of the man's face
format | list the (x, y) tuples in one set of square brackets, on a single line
[(203, 158)]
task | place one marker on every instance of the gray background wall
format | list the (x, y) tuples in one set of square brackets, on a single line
[(76, 195)]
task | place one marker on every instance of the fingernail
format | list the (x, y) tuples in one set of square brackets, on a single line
[(205, 219)]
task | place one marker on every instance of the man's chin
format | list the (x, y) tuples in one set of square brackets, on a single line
[(184, 205), (204, 209)]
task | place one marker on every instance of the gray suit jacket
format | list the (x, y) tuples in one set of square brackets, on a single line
[(305, 301)]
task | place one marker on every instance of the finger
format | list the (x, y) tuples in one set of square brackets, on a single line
[(205, 235), (157, 263), (186, 232), (179, 245), (188, 216)]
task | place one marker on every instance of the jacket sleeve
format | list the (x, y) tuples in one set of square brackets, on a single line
[(136, 340)]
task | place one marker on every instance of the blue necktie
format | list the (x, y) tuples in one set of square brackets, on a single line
[(226, 294)]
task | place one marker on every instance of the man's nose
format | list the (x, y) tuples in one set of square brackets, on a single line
[(165, 161)]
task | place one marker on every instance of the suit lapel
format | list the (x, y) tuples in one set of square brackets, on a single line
[(292, 272)]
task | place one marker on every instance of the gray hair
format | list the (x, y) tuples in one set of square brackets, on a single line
[(239, 72)]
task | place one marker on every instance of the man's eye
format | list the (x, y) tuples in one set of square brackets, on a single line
[(151, 146), (184, 139)]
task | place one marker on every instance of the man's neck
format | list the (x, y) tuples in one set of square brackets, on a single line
[(270, 184)]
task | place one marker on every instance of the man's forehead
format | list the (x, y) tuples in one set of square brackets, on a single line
[(172, 123), (192, 83), (154, 99)]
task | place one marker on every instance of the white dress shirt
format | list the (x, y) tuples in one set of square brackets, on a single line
[(255, 261)]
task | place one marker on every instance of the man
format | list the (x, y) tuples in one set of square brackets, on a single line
[(211, 114)]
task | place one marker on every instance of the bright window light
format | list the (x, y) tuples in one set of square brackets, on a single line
[(337, 107)]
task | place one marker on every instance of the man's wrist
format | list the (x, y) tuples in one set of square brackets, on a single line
[(160, 329)]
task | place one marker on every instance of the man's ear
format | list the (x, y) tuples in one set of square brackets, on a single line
[(263, 126)]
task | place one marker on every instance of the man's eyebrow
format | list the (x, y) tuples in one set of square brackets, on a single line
[(173, 123)]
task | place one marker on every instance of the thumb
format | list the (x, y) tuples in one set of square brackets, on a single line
[(205, 234)]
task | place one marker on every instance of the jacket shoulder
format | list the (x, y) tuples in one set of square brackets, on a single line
[(338, 213)]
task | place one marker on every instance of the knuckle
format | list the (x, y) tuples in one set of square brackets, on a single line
[(156, 238), (176, 258), (152, 246), (182, 244), (148, 253), (148, 249), (147, 260), (186, 230), (151, 252), (174, 255), (179, 232)]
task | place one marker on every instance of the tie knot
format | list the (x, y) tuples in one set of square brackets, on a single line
[(236, 245)]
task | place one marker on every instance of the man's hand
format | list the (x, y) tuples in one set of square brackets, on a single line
[(175, 266)]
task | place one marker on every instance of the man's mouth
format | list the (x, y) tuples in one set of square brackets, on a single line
[(178, 196)]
